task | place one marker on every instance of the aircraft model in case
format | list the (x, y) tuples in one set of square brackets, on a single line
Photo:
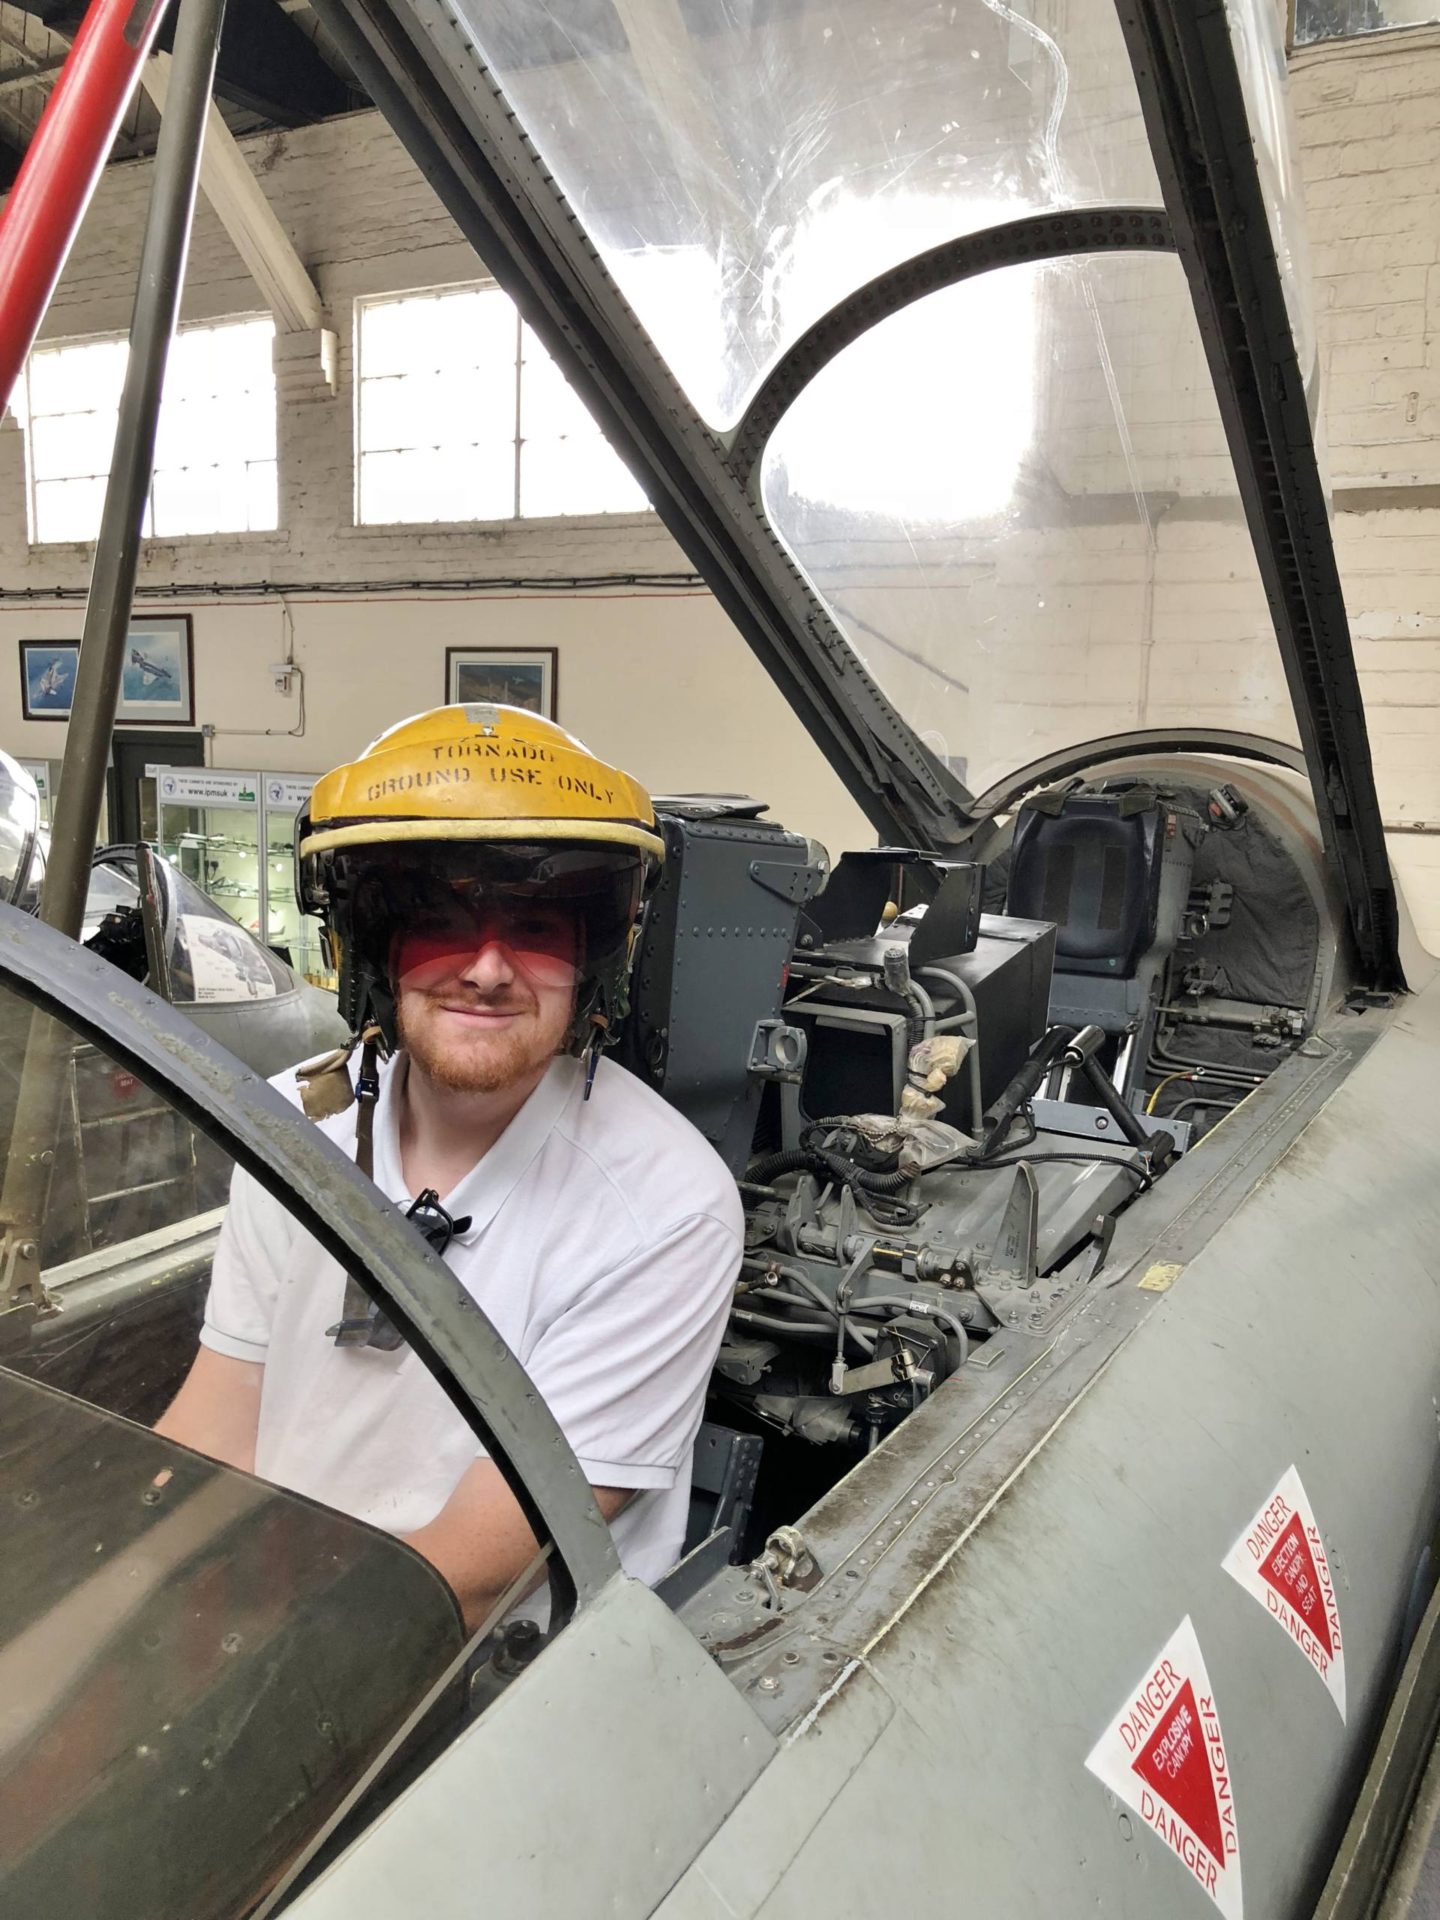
[(1061, 1527)]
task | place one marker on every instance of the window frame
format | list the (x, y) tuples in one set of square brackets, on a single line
[(61, 343), (597, 517), (1368, 36)]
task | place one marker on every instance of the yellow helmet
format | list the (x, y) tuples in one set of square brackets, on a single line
[(479, 773), (486, 797)]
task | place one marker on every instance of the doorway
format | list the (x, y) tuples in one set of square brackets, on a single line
[(130, 790)]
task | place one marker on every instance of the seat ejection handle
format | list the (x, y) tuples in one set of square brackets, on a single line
[(1024, 1086)]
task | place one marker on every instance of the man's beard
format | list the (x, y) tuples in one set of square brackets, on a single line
[(508, 1057)]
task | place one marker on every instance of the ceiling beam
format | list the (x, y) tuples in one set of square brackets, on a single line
[(247, 216), (18, 43), (21, 77), (232, 190), (14, 139)]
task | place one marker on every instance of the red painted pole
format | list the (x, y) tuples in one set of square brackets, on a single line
[(60, 168)]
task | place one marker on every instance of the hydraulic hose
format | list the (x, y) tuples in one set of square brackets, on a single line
[(970, 1018), (1163, 1056), (820, 1330), (755, 1264), (817, 1160), (808, 1301), (1078, 1159), (917, 1310), (1203, 1100), (922, 1018)]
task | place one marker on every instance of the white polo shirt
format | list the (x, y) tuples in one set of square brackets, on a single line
[(604, 1244)]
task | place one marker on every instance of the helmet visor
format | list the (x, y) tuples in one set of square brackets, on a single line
[(423, 908), (544, 938)]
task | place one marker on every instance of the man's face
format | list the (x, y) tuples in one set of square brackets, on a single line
[(485, 996)]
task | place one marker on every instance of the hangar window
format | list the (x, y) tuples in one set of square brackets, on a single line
[(461, 414), (1343, 19), (215, 469)]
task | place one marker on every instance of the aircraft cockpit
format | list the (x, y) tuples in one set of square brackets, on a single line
[(961, 1074)]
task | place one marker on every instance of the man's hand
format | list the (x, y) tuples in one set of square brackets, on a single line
[(480, 1540), (217, 1411)]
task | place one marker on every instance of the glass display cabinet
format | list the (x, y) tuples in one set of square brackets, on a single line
[(298, 934), (40, 772), (210, 829), (233, 834)]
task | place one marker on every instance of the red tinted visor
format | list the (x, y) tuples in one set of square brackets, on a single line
[(422, 904), (545, 938)]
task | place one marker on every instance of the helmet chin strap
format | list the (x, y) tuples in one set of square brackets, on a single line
[(325, 1090), (599, 1039), (360, 1323), (367, 1095)]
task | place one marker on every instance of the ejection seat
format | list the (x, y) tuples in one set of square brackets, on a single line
[(1112, 871)]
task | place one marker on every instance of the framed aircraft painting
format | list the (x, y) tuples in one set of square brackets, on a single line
[(156, 678), (47, 678), (515, 677)]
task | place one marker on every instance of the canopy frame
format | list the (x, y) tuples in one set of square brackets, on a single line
[(454, 117)]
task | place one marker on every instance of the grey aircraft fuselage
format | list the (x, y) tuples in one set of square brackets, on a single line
[(939, 1644), (995, 1580)]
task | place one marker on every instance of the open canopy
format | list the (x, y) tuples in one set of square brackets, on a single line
[(965, 345)]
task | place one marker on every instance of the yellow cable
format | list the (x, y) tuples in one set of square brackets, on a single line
[(1150, 1103)]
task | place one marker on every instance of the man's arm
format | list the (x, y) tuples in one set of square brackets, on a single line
[(657, 1318), (217, 1411), (480, 1540)]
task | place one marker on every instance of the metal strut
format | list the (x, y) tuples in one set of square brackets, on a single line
[(107, 619), (1193, 99), (117, 550)]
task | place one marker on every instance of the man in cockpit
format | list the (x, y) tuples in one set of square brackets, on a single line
[(480, 873)]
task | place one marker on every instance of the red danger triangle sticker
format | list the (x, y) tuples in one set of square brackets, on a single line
[(1280, 1559), (1173, 1762), (1163, 1755)]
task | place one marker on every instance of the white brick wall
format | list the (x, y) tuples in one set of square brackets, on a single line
[(1368, 113), (654, 674)]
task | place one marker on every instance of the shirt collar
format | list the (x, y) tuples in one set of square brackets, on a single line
[(493, 1178)]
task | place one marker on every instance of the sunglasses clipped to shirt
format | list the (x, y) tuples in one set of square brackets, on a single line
[(362, 1323)]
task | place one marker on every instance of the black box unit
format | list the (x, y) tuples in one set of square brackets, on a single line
[(714, 949), (858, 1041), (863, 883)]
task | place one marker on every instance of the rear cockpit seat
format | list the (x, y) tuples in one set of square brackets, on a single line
[(1112, 871)]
